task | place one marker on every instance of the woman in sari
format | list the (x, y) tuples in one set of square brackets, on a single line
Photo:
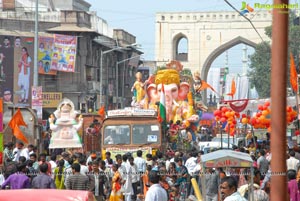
[(116, 194), (58, 175)]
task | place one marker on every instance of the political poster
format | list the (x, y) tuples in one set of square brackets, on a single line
[(45, 53), (37, 101), (64, 53)]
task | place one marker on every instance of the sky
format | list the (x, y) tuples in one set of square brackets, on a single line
[(138, 18)]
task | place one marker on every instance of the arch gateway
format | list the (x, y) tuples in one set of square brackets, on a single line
[(206, 36)]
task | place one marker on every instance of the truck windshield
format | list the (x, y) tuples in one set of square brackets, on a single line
[(145, 134), (141, 134), (117, 134)]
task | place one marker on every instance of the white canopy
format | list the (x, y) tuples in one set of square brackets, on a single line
[(226, 158)]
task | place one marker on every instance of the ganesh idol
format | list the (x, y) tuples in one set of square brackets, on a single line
[(65, 127), (179, 100)]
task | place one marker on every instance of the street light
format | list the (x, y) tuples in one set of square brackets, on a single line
[(117, 78), (102, 53)]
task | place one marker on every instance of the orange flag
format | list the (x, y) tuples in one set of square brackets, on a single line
[(101, 112), (19, 135), (16, 121), (205, 85), (233, 89), (293, 74)]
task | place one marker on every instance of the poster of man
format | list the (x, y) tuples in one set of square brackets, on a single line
[(7, 96), (6, 63)]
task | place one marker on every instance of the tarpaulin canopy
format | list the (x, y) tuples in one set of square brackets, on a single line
[(226, 158)]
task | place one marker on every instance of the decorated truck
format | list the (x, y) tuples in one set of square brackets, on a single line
[(131, 129)]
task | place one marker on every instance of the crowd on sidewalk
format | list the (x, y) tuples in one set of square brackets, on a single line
[(164, 177)]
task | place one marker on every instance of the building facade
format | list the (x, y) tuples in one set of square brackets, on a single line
[(99, 51)]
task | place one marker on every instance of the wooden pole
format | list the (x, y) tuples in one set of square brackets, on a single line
[(278, 98)]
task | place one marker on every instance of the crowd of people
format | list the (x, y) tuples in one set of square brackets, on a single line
[(163, 176)]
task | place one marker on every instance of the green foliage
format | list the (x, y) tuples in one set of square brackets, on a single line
[(260, 68), (260, 72)]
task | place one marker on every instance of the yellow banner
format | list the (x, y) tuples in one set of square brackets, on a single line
[(51, 99)]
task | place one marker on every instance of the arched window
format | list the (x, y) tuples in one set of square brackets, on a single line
[(181, 48)]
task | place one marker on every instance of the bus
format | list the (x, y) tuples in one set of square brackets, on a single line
[(131, 129)]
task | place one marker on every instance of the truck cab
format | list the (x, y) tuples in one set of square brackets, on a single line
[(129, 130)]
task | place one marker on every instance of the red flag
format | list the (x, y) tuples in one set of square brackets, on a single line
[(293, 74), (233, 88), (16, 121)]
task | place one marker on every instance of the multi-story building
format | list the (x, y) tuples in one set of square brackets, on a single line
[(102, 55)]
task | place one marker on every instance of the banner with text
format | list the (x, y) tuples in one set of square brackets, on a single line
[(64, 53), (51, 99), (37, 101)]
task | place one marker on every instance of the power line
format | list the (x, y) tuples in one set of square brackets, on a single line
[(245, 18)]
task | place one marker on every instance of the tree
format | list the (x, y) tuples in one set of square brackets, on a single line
[(260, 68), (260, 72)]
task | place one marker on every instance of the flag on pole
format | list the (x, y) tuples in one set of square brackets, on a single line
[(293, 74), (16, 121), (205, 85), (101, 112), (233, 89), (162, 115)]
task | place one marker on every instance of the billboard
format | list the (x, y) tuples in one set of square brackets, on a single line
[(55, 53), (64, 53), (45, 50)]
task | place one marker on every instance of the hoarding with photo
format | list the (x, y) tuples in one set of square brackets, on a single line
[(64, 53), (45, 53)]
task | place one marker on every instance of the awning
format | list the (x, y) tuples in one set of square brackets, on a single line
[(226, 158), (70, 28)]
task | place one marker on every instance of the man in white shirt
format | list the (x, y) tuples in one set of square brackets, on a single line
[(292, 162), (229, 190), (83, 168), (141, 166), (128, 190), (25, 152), (191, 163), (155, 192), (53, 165), (17, 151), (135, 176)]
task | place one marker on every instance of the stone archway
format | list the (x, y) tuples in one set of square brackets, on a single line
[(217, 52)]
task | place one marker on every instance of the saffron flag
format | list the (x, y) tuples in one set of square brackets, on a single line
[(101, 112), (16, 121), (233, 88), (293, 74), (19, 135), (205, 85), (162, 115)]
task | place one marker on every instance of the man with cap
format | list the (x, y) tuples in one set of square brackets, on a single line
[(91, 158)]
